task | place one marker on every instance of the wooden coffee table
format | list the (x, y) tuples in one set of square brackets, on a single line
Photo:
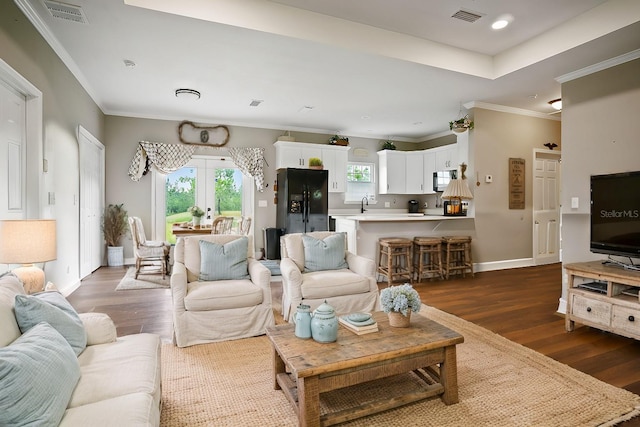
[(303, 369)]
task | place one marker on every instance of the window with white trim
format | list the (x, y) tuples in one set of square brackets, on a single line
[(361, 182)]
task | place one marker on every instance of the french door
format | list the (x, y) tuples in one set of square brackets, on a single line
[(214, 184)]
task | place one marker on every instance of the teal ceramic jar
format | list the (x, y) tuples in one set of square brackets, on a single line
[(302, 320), (324, 324)]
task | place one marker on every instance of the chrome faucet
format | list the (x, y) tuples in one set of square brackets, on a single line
[(364, 199)]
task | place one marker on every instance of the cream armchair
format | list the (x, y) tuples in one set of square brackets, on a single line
[(221, 309), (349, 289)]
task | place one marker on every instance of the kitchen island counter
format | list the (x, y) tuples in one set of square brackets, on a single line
[(364, 230)]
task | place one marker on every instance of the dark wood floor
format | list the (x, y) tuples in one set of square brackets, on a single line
[(519, 304)]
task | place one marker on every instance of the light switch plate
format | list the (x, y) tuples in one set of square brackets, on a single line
[(262, 203), (575, 203)]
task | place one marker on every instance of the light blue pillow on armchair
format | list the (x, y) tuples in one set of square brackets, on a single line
[(53, 308), (324, 254), (224, 262), (38, 373)]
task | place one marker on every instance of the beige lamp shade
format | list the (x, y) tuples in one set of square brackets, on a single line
[(27, 242), (457, 189)]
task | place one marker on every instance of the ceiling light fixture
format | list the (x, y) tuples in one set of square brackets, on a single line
[(556, 104), (187, 94), (129, 63), (502, 22)]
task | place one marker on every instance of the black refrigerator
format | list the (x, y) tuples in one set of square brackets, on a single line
[(303, 200)]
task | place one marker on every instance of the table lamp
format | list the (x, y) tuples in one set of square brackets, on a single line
[(456, 191), (27, 242)]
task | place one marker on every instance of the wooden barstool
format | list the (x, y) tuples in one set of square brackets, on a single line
[(394, 258), (457, 255), (427, 257)]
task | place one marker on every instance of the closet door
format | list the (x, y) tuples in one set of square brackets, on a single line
[(13, 154), (91, 201)]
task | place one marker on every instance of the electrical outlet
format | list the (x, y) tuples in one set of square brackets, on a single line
[(262, 203), (387, 204)]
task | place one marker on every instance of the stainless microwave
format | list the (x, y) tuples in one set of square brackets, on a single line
[(441, 179)]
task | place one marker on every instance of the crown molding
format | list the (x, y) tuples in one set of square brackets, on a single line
[(62, 53), (630, 56), (512, 110)]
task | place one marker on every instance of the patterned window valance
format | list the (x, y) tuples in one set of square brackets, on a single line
[(166, 158), (251, 162)]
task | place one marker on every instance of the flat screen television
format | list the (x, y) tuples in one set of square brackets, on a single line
[(615, 214)]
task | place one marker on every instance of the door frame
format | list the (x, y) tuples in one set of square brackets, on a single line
[(34, 138)]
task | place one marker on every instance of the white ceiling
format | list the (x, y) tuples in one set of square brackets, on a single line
[(372, 68)]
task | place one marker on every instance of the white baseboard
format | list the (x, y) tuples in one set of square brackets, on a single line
[(67, 290), (503, 265)]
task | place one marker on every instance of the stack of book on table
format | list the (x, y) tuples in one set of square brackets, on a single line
[(359, 323)]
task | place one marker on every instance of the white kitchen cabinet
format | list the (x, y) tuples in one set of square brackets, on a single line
[(334, 159), (429, 166), (391, 176), (295, 154), (447, 157), (414, 172)]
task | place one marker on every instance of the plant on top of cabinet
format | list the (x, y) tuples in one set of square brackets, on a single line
[(339, 140), (388, 145)]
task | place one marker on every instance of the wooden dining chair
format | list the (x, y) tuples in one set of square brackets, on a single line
[(222, 225)]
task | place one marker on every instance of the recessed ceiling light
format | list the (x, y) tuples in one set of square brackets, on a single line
[(365, 117), (129, 63), (502, 21), (305, 109), (556, 104), (187, 94), (256, 102), (499, 24)]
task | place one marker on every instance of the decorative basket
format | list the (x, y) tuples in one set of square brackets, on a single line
[(398, 320)]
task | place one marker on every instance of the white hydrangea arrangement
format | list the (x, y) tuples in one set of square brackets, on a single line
[(196, 211), (401, 298)]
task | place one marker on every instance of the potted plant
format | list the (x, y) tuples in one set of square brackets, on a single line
[(196, 215), (388, 145), (114, 227), (399, 301), (461, 125), (315, 163), (339, 140)]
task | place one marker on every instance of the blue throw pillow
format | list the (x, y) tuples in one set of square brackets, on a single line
[(53, 308), (224, 262), (38, 373), (324, 254)]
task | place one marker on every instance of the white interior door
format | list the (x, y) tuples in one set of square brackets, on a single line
[(546, 207), (13, 154), (91, 201)]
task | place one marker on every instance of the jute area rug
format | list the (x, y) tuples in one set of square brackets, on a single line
[(501, 383), (145, 280)]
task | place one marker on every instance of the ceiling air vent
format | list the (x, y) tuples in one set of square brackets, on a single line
[(65, 11), (467, 15)]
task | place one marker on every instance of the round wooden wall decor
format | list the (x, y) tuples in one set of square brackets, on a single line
[(208, 136)]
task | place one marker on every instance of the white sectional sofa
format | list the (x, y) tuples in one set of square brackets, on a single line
[(49, 379)]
